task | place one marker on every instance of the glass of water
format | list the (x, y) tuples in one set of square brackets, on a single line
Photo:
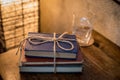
[(82, 28)]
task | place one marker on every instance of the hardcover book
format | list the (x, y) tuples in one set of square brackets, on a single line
[(46, 49), (68, 66), (50, 69), (46, 65), (49, 61)]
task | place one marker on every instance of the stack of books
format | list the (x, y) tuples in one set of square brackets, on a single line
[(40, 56)]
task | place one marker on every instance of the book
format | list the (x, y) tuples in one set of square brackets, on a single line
[(35, 62), (49, 61), (46, 65), (46, 49), (50, 69)]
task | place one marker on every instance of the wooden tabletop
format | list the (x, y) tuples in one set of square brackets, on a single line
[(101, 62)]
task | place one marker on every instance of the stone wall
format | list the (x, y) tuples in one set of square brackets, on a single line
[(57, 15)]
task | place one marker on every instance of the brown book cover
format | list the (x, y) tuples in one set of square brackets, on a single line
[(48, 61)]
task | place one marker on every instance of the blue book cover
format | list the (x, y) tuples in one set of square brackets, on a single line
[(46, 49), (50, 69)]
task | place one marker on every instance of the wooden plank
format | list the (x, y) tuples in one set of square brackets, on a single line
[(111, 49), (105, 65)]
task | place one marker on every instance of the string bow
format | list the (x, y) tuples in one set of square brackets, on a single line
[(41, 40)]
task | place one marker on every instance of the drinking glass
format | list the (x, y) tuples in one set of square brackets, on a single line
[(82, 28)]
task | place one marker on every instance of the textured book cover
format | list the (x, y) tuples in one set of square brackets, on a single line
[(50, 69), (46, 49), (49, 61)]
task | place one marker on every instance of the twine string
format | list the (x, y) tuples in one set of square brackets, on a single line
[(41, 40)]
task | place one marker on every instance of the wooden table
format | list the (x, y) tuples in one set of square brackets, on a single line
[(101, 62)]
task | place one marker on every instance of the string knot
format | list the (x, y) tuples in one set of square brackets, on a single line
[(37, 40)]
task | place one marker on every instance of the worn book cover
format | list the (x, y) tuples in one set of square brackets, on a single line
[(46, 65), (50, 61), (50, 69), (46, 49)]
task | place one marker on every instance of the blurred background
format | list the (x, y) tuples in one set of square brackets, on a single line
[(17, 18)]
